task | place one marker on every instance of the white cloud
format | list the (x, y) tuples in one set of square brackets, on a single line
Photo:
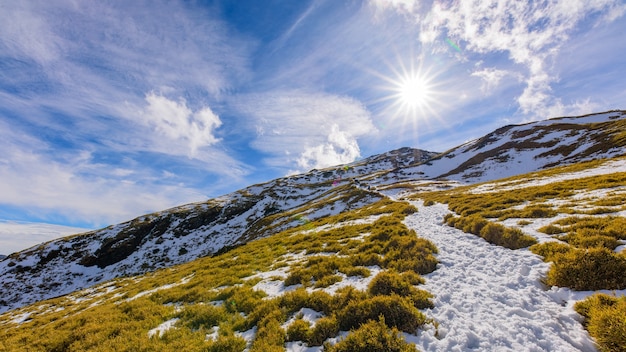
[(93, 61), (531, 33), (177, 122), (406, 5), (339, 148), (82, 191), (310, 130), (16, 236), (491, 78)]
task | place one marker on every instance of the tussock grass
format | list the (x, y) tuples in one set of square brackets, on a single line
[(373, 336), (299, 330), (498, 234), (398, 312), (588, 269), (605, 318)]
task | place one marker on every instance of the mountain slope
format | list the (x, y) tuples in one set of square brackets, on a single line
[(288, 291), (518, 149), (188, 232)]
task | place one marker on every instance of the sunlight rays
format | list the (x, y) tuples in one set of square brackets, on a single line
[(413, 96)]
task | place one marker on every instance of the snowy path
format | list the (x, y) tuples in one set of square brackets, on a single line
[(489, 298)]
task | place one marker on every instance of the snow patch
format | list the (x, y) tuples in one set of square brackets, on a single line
[(163, 328)]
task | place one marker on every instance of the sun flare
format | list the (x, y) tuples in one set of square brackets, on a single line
[(413, 91)]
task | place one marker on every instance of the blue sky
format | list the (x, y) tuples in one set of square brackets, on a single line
[(113, 109)]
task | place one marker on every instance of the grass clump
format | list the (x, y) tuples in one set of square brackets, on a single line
[(551, 229), (198, 316), (324, 329), (605, 319), (298, 330), (270, 335), (390, 283), (588, 270), (549, 250), (398, 312), (373, 336), (494, 233), (512, 238), (227, 344)]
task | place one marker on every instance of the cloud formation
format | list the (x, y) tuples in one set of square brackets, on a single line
[(531, 33), (177, 122), (16, 235), (85, 138), (306, 130)]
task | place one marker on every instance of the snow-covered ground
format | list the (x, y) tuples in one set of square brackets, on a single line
[(609, 167), (490, 298)]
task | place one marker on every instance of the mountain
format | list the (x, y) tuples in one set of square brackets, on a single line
[(265, 231), (2, 256), (184, 233), (396, 261), (188, 232)]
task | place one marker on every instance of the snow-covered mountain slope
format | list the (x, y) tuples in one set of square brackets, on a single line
[(173, 236), (485, 297), (185, 233), (519, 149)]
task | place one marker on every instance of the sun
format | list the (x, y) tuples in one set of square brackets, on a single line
[(413, 91)]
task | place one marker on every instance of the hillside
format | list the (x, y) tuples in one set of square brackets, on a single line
[(259, 246), (480, 295)]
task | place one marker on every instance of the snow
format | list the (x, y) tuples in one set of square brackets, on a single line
[(358, 282), (213, 335), (163, 328), (609, 167), (164, 287), (307, 314), (490, 298)]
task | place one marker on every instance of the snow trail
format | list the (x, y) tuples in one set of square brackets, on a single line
[(490, 298)]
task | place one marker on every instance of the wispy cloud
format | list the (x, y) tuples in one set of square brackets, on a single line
[(99, 100), (83, 191), (306, 130), (491, 78), (531, 33), (17, 235)]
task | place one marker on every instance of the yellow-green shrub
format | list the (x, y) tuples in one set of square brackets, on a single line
[(508, 237), (196, 316), (389, 283), (298, 330), (398, 312), (324, 328), (548, 250), (270, 335), (405, 253), (227, 344), (550, 229), (373, 336), (605, 318), (584, 238), (590, 269)]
